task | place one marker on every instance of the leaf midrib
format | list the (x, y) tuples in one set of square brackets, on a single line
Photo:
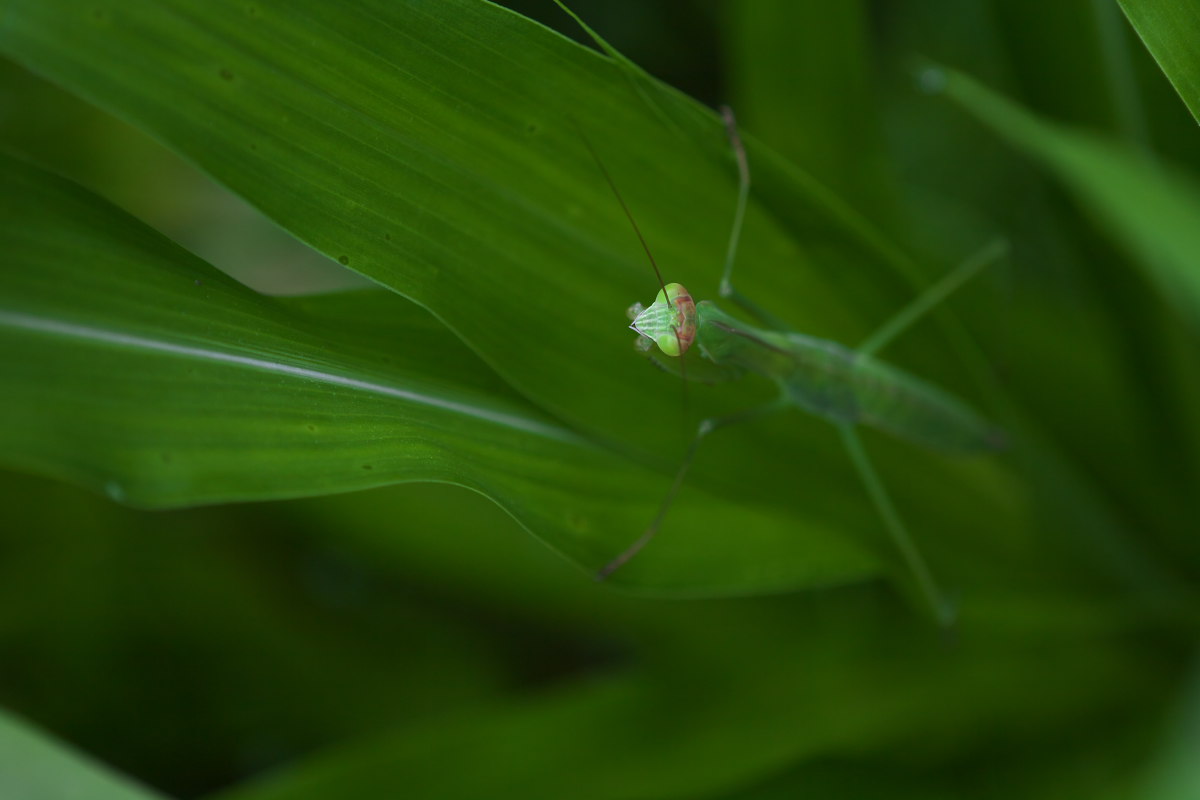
[(508, 419)]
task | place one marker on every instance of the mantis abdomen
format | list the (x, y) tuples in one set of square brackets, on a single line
[(906, 406), (845, 387)]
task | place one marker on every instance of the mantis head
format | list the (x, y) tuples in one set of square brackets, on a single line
[(670, 322)]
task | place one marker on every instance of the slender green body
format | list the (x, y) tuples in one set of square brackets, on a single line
[(845, 387)]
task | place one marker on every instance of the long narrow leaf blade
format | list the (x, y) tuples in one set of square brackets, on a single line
[(134, 368), (1153, 212), (1170, 31), (435, 148), (33, 766)]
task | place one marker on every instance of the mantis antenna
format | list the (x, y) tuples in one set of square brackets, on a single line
[(624, 207), (645, 246)]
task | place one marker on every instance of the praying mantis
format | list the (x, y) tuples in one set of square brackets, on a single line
[(846, 386)]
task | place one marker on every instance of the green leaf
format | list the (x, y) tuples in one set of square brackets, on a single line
[(138, 370), (1151, 209), (437, 149), (37, 767), (429, 147), (1170, 30)]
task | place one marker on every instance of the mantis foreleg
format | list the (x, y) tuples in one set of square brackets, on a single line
[(735, 234), (705, 427)]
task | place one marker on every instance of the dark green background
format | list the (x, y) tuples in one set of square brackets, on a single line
[(416, 639)]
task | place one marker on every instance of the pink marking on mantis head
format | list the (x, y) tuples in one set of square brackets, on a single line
[(670, 322)]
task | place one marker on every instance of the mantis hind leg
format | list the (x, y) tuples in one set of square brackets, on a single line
[(926, 587), (928, 299), (704, 429)]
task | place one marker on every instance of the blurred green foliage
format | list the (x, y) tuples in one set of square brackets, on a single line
[(416, 640)]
